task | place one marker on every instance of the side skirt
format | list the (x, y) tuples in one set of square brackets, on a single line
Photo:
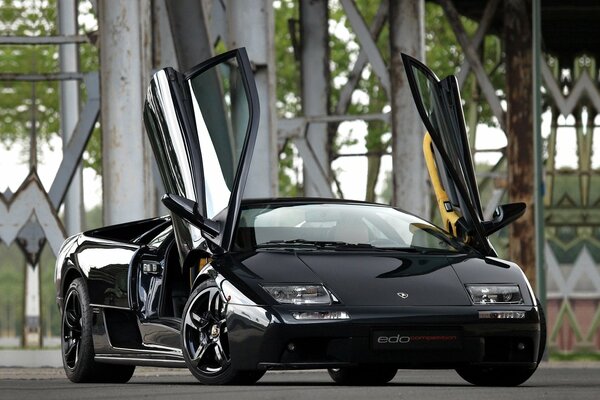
[(140, 360)]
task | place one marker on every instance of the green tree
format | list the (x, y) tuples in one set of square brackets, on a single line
[(28, 108), (443, 55)]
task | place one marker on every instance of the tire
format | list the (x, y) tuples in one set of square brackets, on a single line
[(495, 376), (506, 376), (543, 332), (353, 376), (77, 344), (204, 339)]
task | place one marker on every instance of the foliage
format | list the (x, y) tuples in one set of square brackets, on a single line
[(443, 55), (28, 108)]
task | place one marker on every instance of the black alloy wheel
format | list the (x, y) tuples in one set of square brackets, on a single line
[(205, 341), (71, 328), (77, 343)]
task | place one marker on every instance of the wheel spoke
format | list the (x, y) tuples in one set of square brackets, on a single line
[(220, 353), (72, 321), (212, 300), (201, 352), (71, 345), (217, 306)]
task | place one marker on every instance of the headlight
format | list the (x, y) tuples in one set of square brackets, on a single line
[(299, 294), (495, 294)]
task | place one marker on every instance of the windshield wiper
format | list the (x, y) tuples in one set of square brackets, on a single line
[(289, 243), (321, 244), (332, 244)]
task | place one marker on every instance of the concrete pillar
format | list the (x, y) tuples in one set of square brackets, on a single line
[(315, 91), (125, 64), (518, 42), (250, 24), (410, 190), (69, 112)]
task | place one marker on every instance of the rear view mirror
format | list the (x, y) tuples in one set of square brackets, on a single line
[(503, 215), (188, 210)]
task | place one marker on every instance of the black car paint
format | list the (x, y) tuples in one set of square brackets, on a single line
[(365, 282), (130, 328)]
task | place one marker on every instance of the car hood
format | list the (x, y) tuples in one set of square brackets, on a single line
[(360, 279), (406, 280)]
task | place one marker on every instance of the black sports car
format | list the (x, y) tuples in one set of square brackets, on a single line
[(231, 288)]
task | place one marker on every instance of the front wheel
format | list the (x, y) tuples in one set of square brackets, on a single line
[(362, 375), (495, 376), (204, 339), (506, 376), (77, 345)]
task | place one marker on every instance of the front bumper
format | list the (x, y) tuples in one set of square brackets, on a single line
[(404, 337)]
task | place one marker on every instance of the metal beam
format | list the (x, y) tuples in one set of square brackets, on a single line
[(58, 76), (78, 139), (315, 96), (519, 131), (472, 57), (367, 43), (409, 172), (163, 47), (123, 25), (41, 40), (250, 24), (191, 35), (291, 128), (482, 28), (361, 61), (69, 112)]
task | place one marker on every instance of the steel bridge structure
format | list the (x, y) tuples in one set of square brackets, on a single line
[(543, 95)]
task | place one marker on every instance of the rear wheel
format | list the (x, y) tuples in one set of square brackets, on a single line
[(205, 341), (77, 345), (375, 375), (506, 376)]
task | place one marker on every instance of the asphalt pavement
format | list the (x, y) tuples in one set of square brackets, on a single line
[(551, 381)]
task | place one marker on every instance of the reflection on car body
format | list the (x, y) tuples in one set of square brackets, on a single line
[(231, 288)]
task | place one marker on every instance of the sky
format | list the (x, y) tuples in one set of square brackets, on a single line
[(14, 169), (352, 170)]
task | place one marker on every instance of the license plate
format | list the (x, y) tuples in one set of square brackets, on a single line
[(401, 339)]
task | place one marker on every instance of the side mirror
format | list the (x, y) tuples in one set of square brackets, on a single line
[(188, 210), (503, 215)]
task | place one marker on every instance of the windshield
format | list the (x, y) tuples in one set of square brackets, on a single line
[(343, 225)]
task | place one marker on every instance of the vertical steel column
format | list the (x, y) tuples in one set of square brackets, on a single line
[(163, 45), (540, 239), (519, 131), (251, 25), (409, 173), (69, 111), (123, 62), (191, 34), (315, 88)]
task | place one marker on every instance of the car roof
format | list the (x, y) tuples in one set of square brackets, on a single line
[(306, 200)]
